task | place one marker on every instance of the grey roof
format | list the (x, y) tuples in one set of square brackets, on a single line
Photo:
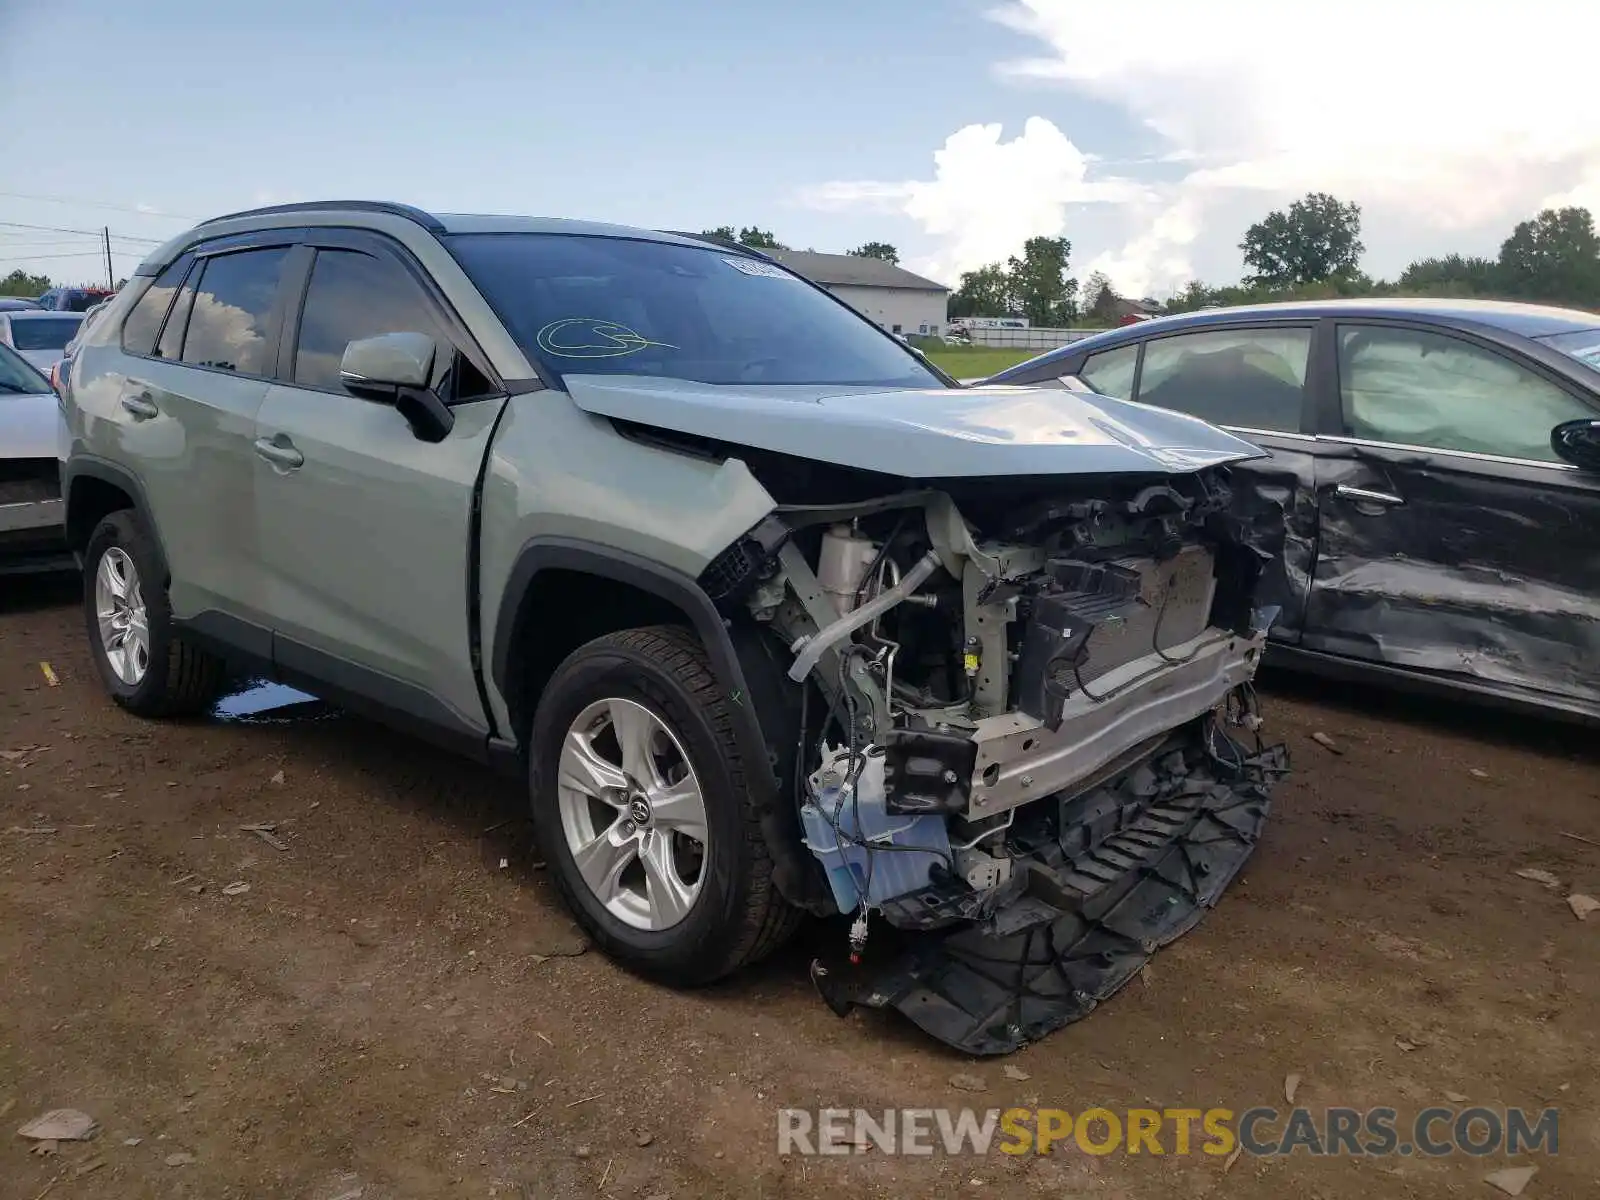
[(835, 269), (1530, 320), (851, 270)]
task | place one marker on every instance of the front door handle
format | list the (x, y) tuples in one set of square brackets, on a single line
[(142, 407), (1367, 496), (279, 454)]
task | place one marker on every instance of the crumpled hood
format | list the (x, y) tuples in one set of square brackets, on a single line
[(927, 433)]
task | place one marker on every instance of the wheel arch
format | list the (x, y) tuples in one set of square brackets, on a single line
[(583, 590), (93, 489)]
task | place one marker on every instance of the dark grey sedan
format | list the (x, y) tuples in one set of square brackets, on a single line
[(1439, 465)]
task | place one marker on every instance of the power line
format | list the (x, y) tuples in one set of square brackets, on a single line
[(143, 212), (5, 258), (125, 237)]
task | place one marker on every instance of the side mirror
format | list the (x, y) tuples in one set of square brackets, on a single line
[(397, 367), (1578, 442), (390, 360)]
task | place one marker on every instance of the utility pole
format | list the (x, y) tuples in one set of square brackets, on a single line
[(110, 279)]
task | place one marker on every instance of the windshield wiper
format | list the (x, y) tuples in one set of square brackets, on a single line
[(14, 389)]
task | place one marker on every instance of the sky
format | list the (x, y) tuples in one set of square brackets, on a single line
[(1149, 134)]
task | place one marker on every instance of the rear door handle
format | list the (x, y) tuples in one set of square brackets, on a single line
[(1367, 496), (279, 454), (142, 407)]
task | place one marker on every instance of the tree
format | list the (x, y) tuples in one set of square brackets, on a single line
[(1317, 240), (759, 239), (1100, 299), (1039, 282), (1555, 256), (985, 292), (20, 283), (881, 250), (1450, 274)]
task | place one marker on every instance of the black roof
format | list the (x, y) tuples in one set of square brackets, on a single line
[(1502, 316)]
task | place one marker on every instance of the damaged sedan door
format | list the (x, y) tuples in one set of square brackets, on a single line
[(1454, 542)]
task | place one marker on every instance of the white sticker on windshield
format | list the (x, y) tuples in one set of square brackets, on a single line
[(754, 266)]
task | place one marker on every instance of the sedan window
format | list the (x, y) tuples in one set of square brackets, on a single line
[(1416, 388), (1110, 373), (1247, 378)]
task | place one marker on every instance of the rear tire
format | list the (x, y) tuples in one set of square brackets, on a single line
[(656, 687), (143, 662)]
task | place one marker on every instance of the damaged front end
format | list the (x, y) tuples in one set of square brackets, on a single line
[(1027, 737)]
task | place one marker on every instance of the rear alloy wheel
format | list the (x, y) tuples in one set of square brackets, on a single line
[(124, 622), (642, 809), (146, 666)]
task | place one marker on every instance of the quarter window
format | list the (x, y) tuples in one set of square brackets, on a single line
[(353, 296), (228, 325), (143, 321), (1250, 378), (1110, 373), (1417, 388)]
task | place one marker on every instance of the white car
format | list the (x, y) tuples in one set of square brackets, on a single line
[(32, 530), (40, 337)]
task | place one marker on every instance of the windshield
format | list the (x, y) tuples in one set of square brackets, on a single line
[(17, 375), (619, 306), (1584, 345), (43, 333)]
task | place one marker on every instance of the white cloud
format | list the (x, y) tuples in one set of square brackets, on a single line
[(987, 195), (1460, 119)]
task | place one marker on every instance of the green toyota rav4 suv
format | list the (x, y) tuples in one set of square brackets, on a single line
[(772, 616)]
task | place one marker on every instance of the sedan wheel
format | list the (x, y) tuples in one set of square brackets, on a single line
[(633, 813), (123, 620)]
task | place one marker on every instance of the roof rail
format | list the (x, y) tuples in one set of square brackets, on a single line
[(427, 220)]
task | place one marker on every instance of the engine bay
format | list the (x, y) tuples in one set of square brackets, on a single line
[(968, 652)]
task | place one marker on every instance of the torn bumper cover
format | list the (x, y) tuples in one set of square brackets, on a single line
[(1110, 877)]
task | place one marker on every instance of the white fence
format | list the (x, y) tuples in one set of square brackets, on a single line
[(1030, 339)]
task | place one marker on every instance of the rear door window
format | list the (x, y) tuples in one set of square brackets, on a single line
[(1413, 387), (1246, 378), (228, 328), (143, 322)]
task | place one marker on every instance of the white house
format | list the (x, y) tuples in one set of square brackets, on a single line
[(892, 296)]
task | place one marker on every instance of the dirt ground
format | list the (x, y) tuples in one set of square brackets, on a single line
[(398, 1006)]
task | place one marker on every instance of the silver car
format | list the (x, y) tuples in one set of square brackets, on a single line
[(32, 531), (39, 336), (768, 616)]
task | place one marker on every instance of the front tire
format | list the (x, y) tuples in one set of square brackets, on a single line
[(143, 662), (642, 809)]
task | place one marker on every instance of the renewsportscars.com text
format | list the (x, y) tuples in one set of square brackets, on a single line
[(1261, 1131)]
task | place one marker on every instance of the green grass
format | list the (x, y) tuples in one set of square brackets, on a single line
[(968, 362)]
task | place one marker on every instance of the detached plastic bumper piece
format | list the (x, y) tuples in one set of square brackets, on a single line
[(1113, 876)]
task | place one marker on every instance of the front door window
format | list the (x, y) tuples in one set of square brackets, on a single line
[(1413, 387)]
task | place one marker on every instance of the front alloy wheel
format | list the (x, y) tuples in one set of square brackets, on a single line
[(632, 813), (643, 806)]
